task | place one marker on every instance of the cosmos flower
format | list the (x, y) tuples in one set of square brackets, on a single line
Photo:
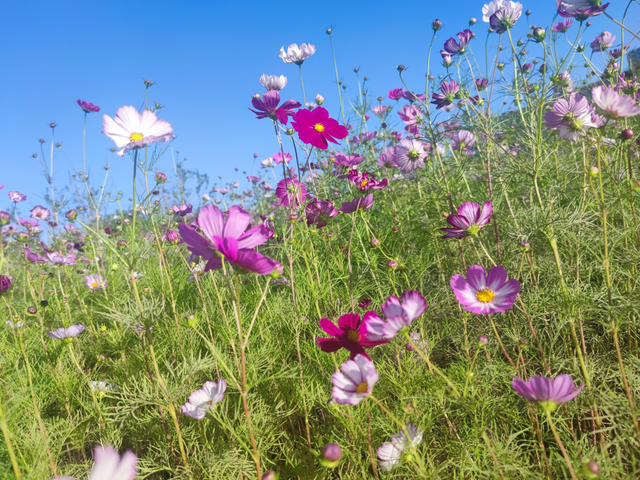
[(451, 47), (562, 27), (204, 399), (268, 163), (110, 466), (387, 158), (267, 107), (316, 128), (40, 213), (444, 100), (400, 313), (580, 9), (547, 392), (17, 197), (390, 454), (88, 107), (469, 220), (33, 257), (358, 204), (488, 294), (58, 259), (277, 158), (102, 388), (366, 181), (412, 97), (410, 155), (291, 192), (614, 104), (319, 212), (572, 118), (396, 94), (342, 160), (380, 109), (355, 380), (602, 42), (95, 282), (364, 137), (129, 129), (492, 7), (247, 260), (352, 334), (5, 284), (462, 139), (295, 54), (481, 84), (67, 334), (409, 114), (273, 82), (182, 210), (505, 18)]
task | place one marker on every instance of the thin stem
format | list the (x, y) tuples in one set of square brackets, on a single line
[(561, 445)]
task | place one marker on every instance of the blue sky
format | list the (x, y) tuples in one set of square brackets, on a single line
[(206, 58)]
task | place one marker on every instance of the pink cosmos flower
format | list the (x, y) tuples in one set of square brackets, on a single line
[(316, 128), (580, 9), (33, 257), (129, 129), (505, 18), (58, 259), (387, 158), (469, 220), (572, 118), (67, 334), (462, 139), (485, 294), (549, 393), (358, 204), (40, 213), (267, 107), (291, 192), (410, 155), (204, 399), (380, 109), (95, 282), (110, 466), (352, 334), (17, 197), (399, 313), (277, 158), (603, 42), (342, 160), (366, 181), (390, 454), (88, 107), (182, 210), (613, 104), (444, 100), (451, 47), (396, 94), (253, 179), (364, 137), (5, 284), (562, 27), (319, 212), (295, 54), (355, 380), (410, 114), (492, 7)]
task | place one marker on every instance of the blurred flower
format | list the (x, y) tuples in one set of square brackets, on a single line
[(5, 284), (355, 380), (5, 217), (342, 160), (319, 212), (505, 18), (273, 82), (182, 210), (33, 257), (110, 466), (319, 99), (469, 220), (547, 392), (445, 99), (277, 158), (387, 158), (17, 197), (613, 104), (396, 94), (58, 259), (399, 313), (102, 388), (160, 178), (602, 42), (253, 179), (67, 334), (580, 9), (71, 215), (204, 399), (291, 192), (488, 294), (364, 183), (572, 118), (331, 454), (40, 213), (481, 84), (316, 128), (358, 204), (267, 107), (390, 454), (462, 139), (351, 334), (562, 27), (129, 129), (88, 107), (95, 282), (410, 155), (295, 54)]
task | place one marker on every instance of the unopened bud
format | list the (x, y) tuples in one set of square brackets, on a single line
[(161, 177), (331, 454), (401, 68), (375, 242), (436, 25), (593, 171), (626, 134), (482, 341), (319, 99), (392, 264)]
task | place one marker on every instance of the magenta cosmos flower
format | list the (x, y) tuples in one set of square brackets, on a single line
[(5, 284), (410, 155), (358, 204), (469, 220), (216, 228), (602, 42), (547, 392), (387, 158), (129, 129), (295, 54), (580, 9), (40, 213), (291, 192), (613, 104), (88, 107), (354, 381), (267, 107), (485, 294), (316, 128), (182, 210), (366, 181), (33, 257), (67, 334), (95, 282), (572, 118), (400, 313), (444, 100), (352, 334), (319, 212), (204, 399)]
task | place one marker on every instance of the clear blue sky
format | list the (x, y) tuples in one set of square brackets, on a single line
[(206, 58)]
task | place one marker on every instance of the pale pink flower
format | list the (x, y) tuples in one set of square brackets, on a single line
[(129, 129)]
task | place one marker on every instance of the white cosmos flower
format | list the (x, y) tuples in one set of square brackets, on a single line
[(390, 454), (102, 388), (273, 82), (268, 163), (295, 54), (109, 465), (204, 399), (129, 129)]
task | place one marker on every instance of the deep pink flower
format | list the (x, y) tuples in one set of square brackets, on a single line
[(613, 104), (396, 94), (549, 393), (319, 212), (366, 181), (488, 294), (469, 220), (5, 284), (315, 127), (246, 259), (352, 334), (400, 313), (358, 204), (355, 380), (33, 257), (291, 192), (182, 210), (88, 107), (268, 107), (278, 158)]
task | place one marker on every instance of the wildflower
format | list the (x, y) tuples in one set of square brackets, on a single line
[(71, 215), (364, 303), (481, 84), (380, 109), (319, 99), (613, 104), (88, 107), (291, 192), (436, 25), (580, 9), (5, 217), (396, 94), (278, 158), (315, 127), (355, 380), (602, 42), (295, 54), (410, 155), (390, 454), (17, 197), (33, 257), (204, 399), (505, 18), (399, 313), (364, 137), (342, 160), (352, 334), (40, 213), (110, 466), (488, 294), (451, 47), (58, 259), (358, 204), (319, 212), (268, 107), (273, 82), (182, 210), (410, 114), (331, 454), (549, 393), (562, 27), (130, 130), (562, 82), (492, 7), (412, 97), (5, 284), (364, 183), (387, 158), (102, 388), (445, 99), (253, 179), (572, 118), (160, 178), (197, 271), (462, 139), (95, 282), (469, 220), (67, 334)]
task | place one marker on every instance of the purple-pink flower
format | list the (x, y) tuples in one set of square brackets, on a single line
[(400, 313), (469, 220), (5, 284), (358, 204), (352, 333), (291, 192), (614, 104), (182, 210), (88, 107), (267, 107), (317, 128), (58, 259), (387, 158), (110, 466), (580, 9), (396, 94), (451, 47), (16, 197), (354, 381), (204, 399), (572, 118), (488, 294), (40, 213), (33, 257), (366, 181), (95, 282), (67, 334), (410, 155), (505, 18), (319, 212), (342, 160), (462, 139), (602, 42), (444, 100), (562, 27), (549, 393)]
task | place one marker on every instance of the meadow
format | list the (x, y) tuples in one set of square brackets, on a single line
[(438, 281)]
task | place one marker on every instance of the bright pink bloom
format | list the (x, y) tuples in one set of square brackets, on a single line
[(572, 118), (316, 128), (469, 220), (396, 94), (319, 212), (366, 181), (278, 158), (268, 107), (410, 114), (16, 197), (488, 294), (358, 204), (291, 192), (355, 380), (387, 158), (549, 393), (613, 104), (602, 42), (351, 334), (88, 107)]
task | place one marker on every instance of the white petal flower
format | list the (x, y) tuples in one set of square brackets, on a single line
[(390, 454), (130, 129), (295, 54), (273, 82)]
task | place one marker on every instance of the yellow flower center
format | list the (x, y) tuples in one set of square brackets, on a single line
[(319, 127), (94, 285), (364, 182), (136, 137), (362, 387), (485, 295), (353, 336)]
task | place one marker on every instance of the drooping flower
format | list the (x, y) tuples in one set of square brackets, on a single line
[(366, 181), (182, 210), (462, 139), (410, 155), (253, 179), (505, 18), (130, 129), (602, 42), (67, 334), (364, 137), (319, 212), (390, 454), (580, 9), (445, 99), (358, 204), (204, 399), (88, 107), (572, 118), (396, 94), (614, 104), (5, 284), (95, 282), (110, 466), (291, 192), (469, 220), (295, 54), (267, 107), (33, 257), (488, 294), (451, 47), (17, 197), (481, 84), (315, 127), (40, 213), (400, 313), (412, 97), (273, 82), (352, 334), (355, 380), (562, 27), (549, 393)]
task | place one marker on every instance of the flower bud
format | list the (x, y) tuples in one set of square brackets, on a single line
[(408, 409), (148, 83), (331, 454), (173, 237), (392, 264), (539, 34), (626, 134), (44, 303), (472, 21), (591, 469), (482, 341), (71, 215), (524, 246), (409, 347), (190, 320), (375, 242), (293, 217), (593, 171), (588, 24), (328, 31), (436, 25), (500, 66), (160, 177), (122, 244), (32, 311), (23, 237), (5, 217), (319, 99), (401, 68), (115, 266), (527, 13), (290, 132)]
